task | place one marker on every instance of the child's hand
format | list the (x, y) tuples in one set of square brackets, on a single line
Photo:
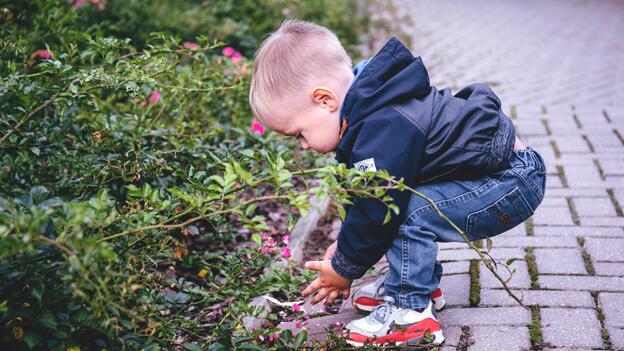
[(329, 284), (329, 253)]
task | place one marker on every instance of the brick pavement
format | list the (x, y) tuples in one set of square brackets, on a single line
[(557, 67)]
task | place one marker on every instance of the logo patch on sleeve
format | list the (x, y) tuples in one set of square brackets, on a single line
[(366, 165)]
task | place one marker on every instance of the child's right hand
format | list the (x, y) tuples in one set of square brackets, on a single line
[(330, 251)]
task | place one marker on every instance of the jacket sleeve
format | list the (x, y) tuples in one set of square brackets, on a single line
[(395, 144)]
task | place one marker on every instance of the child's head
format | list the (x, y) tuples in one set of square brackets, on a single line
[(300, 77)]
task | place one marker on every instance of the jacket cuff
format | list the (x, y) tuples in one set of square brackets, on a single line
[(345, 267)]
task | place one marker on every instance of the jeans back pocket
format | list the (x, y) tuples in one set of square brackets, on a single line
[(506, 213)]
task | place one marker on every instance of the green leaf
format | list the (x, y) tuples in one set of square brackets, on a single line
[(342, 213), (510, 261), (301, 337), (388, 217), (31, 338), (256, 238), (192, 347), (37, 290), (489, 244)]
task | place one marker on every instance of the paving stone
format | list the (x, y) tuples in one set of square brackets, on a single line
[(456, 289), (572, 144), (612, 305), (316, 326), (485, 316), (451, 337), (571, 327), (455, 267), (553, 201), (559, 261), (597, 190), (609, 268), (545, 298), (577, 231), (489, 338), (582, 176), (616, 335), (534, 241), (603, 249), (552, 216), (612, 167), (602, 221), (577, 282), (594, 207), (469, 254), (520, 278)]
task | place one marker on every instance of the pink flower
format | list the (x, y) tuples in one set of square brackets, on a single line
[(270, 337), (78, 3), (277, 335), (296, 307), (228, 51), (286, 239), (41, 55), (257, 128), (271, 242), (190, 45), (154, 97), (298, 325), (265, 250), (264, 236), (236, 57), (261, 337), (286, 252)]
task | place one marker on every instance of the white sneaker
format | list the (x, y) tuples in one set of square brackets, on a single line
[(388, 324), (371, 295)]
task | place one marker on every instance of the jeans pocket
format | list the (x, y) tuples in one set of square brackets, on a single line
[(506, 213)]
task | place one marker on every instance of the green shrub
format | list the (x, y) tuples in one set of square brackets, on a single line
[(132, 191)]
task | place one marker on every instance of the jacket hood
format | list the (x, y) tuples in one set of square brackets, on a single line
[(391, 75)]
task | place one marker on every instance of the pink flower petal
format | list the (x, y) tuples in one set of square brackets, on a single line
[(286, 239), (271, 242), (286, 252), (236, 57), (228, 51), (296, 307), (40, 55), (190, 45), (261, 337), (154, 97), (257, 128), (265, 250)]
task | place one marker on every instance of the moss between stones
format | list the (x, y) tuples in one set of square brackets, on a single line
[(475, 286), (606, 340), (614, 201), (535, 329), (529, 257), (589, 266), (562, 176)]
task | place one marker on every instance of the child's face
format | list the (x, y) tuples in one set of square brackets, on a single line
[(314, 118)]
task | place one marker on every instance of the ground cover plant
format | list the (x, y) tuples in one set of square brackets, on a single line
[(140, 207)]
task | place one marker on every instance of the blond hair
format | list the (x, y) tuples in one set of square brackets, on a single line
[(296, 56)]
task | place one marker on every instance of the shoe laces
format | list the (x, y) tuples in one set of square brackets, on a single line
[(382, 311)]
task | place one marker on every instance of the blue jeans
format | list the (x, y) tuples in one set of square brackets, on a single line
[(482, 208)]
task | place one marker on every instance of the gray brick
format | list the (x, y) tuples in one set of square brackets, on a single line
[(489, 338), (572, 144), (469, 254), (559, 261), (613, 308), (553, 201), (451, 337), (455, 267), (552, 182), (545, 298), (591, 207), (577, 282), (616, 335), (602, 249), (552, 216), (582, 176), (597, 190), (612, 167), (609, 268), (571, 327), (577, 231), (456, 289), (485, 316), (534, 241), (602, 221), (520, 278)]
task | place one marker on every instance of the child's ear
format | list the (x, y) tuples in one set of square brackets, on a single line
[(326, 98)]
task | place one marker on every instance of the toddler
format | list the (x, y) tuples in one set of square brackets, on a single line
[(459, 150)]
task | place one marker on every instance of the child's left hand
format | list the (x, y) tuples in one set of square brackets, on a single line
[(329, 284)]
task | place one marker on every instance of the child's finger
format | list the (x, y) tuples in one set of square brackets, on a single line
[(320, 295), (313, 265), (314, 286), (332, 296), (346, 293)]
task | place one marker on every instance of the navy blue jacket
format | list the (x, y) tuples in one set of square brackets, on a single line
[(394, 120)]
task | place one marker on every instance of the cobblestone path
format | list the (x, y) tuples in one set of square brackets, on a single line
[(558, 67)]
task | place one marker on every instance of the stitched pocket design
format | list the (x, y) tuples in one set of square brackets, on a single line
[(506, 213)]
